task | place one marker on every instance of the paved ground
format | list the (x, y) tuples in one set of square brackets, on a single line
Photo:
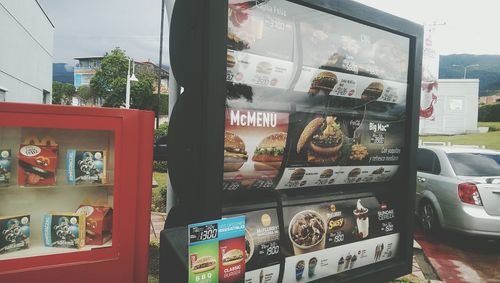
[(459, 259), (157, 222)]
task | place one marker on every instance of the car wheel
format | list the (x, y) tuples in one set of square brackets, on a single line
[(428, 217)]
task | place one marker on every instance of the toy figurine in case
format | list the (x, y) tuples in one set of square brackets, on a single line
[(5, 166), (37, 162), (15, 233), (86, 166), (65, 230)]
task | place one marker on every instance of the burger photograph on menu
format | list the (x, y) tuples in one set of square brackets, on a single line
[(322, 139), (324, 81), (231, 257), (203, 264), (268, 155), (235, 154)]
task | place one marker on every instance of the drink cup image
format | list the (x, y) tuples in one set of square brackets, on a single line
[(353, 260), (362, 220), (299, 269), (347, 261), (312, 266), (307, 232), (340, 264)]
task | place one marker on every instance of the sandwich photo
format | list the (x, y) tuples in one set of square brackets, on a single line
[(323, 81), (231, 257), (264, 68), (203, 264), (298, 174), (235, 154), (268, 155), (322, 139), (230, 61), (372, 92)]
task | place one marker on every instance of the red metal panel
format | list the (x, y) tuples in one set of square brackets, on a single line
[(126, 260)]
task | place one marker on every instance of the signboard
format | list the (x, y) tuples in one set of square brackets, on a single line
[(330, 112), (430, 75), (216, 251)]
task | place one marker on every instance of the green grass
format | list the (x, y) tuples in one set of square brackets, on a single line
[(494, 126), (491, 139), (161, 178)]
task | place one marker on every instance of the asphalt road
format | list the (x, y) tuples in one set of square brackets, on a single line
[(457, 258)]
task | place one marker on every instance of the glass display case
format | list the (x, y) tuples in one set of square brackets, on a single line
[(75, 187)]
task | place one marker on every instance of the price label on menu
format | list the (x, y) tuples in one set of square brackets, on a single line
[(203, 233), (346, 87), (214, 245), (390, 94)]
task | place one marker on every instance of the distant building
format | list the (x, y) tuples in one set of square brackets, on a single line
[(85, 69), (26, 52), (492, 99), (456, 108), (149, 66)]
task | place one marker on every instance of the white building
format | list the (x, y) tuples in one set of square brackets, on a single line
[(456, 108), (26, 52)]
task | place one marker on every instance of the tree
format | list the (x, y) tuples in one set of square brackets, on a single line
[(87, 95), (110, 81), (62, 93)]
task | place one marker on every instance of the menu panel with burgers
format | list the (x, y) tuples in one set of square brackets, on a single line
[(254, 146), (262, 246)]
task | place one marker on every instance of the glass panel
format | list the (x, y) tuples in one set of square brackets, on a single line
[(475, 164), (56, 191), (313, 100), (424, 160)]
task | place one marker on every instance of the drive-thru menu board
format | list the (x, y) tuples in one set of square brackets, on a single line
[(313, 100)]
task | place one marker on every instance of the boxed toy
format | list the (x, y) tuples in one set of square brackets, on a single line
[(37, 162), (86, 166), (65, 230), (15, 233), (5, 166), (99, 222)]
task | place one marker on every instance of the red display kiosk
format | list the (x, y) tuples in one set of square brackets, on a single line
[(58, 160)]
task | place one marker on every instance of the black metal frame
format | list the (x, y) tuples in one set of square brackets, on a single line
[(195, 143)]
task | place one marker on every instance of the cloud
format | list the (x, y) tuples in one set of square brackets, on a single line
[(94, 27)]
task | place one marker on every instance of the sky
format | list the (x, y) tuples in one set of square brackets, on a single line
[(93, 27)]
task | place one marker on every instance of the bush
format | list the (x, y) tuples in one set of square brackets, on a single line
[(159, 199), (154, 259), (489, 113), (160, 166), (161, 131)]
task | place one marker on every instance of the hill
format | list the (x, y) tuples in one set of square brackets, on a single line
[(488, 71), (62, 72)]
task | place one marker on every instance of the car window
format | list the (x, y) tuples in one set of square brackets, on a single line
[(428, 162), (475, 164)]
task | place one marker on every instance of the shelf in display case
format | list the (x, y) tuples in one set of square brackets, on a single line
[(58, 187), (39, 250)]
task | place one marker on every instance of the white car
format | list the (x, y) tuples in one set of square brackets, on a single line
[(458, 189)]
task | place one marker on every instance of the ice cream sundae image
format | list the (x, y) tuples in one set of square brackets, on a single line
[(299, 269), (378, 251), (347, 261), (353, 260), (362, 220), (340, 265), (307, 232), (312, 266)]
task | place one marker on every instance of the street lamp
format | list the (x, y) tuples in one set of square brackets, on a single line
[(129, 79), (465, 68)]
